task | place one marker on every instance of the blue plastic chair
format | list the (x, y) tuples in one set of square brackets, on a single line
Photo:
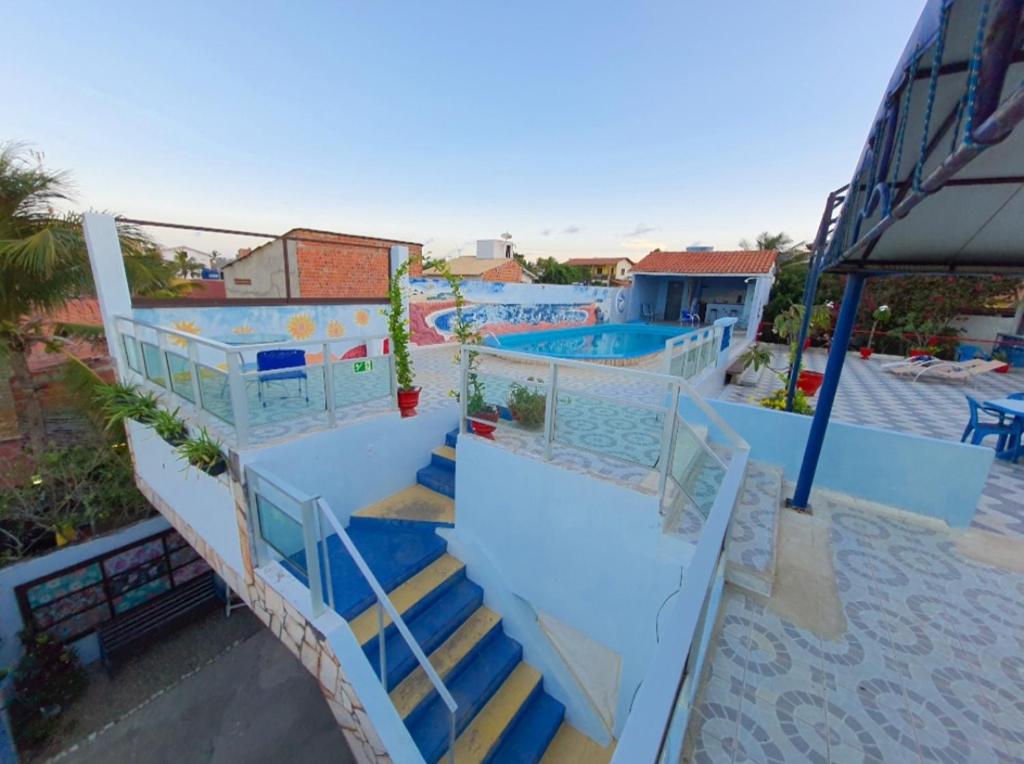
[(267, 360), (969, 352), (686, 317), (1009, 433), (1016, 396)]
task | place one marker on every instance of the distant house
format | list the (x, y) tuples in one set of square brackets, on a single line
[(610, 271), (494, 261), (309, 263), (702, 286)]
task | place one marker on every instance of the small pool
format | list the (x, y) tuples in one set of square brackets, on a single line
[(607, 342)]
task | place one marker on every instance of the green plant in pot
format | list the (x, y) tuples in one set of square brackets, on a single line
[(120, 402), (203, 452), (881, 315), (477, 406), (169, 426), (527, 406), (398, 330)]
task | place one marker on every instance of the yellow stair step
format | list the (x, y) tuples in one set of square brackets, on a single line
[(417, 503), (487, 727), (364, 625), (446, 452), (570, 746), (415, 687)]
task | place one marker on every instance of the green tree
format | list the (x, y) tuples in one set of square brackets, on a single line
[(185, 267), (781, 242), (551, 271), (44, 263)]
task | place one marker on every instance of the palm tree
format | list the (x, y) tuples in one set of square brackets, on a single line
[(782, 243), (184, 265), (44, 263)]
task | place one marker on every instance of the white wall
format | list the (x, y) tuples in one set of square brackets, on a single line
[(588, 552), (982, 330), (360, 463), (37, 567)]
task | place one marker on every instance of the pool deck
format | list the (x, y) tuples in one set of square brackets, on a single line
[(900, 640)]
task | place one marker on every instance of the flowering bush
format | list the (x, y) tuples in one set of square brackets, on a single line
[(777, 401)]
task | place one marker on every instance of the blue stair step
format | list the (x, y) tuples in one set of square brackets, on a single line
[(440, 479), (435, 622), (471, 687), (531, 733), (452, 438), (442, 461), (394, 553)]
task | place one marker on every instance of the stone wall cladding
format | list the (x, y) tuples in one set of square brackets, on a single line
[(298, 634), (345, 266)]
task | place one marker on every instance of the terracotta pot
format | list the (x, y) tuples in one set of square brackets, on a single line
[(408, 400), (807, 343), (916, 352), (481, 429), (865, 353), (809, 382), (1004, 369)]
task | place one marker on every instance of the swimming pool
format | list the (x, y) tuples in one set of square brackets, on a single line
[(607, 342)]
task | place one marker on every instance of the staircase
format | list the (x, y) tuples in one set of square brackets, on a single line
[(503, 712)]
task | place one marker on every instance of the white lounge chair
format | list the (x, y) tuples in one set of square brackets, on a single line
[(935, 368)]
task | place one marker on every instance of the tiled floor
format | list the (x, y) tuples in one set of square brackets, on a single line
[(928, 666)]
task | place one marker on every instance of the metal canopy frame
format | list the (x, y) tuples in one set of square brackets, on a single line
[(881, 194)]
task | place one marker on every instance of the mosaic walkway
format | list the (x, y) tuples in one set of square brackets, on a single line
[(868, 395), (928, 667), (926, 663)]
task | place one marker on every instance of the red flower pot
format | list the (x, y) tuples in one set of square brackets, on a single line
[(916, 352), (807, 343), (481, 429), (408, 400), (1004, 369), (865, 353), (809, 382)]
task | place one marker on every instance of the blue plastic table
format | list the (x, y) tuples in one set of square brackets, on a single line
[(1012, 407)]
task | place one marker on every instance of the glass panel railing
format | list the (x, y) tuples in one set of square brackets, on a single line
[(281, 532), (695, 468), (131, 353), (359, 380), (609, 426), (154, 368), (215, 393), (283, 394), (180, 370)]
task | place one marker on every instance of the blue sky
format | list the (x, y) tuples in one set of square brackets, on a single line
[(580, 127)]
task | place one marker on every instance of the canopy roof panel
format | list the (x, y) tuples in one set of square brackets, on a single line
[(940, 183)]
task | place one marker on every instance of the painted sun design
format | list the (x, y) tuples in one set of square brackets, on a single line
[(301, 327), (184, 326), (362, 317), (243, 329), (335, 328)]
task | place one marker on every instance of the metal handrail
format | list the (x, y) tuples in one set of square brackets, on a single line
[(384, 602)]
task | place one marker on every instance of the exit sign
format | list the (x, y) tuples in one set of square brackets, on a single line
[(361, 367)]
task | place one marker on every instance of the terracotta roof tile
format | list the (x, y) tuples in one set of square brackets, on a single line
[(743, 261), (585, 262)]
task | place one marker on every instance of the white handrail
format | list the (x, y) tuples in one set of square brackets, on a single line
[(385, 601)]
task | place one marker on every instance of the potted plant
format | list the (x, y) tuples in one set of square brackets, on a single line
[(169, 426), (777, 402), (398, 329), (1001, 355), (527, 406), (477, 407), (787, 325), (119, 402), (881, 315), (203, 452)]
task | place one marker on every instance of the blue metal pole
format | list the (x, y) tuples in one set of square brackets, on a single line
[(827, 394), (810, 289)]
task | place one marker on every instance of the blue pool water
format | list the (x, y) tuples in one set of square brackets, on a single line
[(607, 342), (485, 314)]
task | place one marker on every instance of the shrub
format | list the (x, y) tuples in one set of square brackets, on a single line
[(203, 452), (777, 401), (47, 678)]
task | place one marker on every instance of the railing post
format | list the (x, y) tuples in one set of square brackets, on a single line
[(332, 416), (381, 645), (239, 399), (667, 434), (549, 409), (666, 366), (316, 593), (463, 388), (327, 554)]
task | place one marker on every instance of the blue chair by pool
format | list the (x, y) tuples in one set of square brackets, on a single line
[(1016, 396), (978, 430), (969, 353), (289, 360), (686, 317)]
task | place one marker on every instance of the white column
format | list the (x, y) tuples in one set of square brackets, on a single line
[(110, 278)]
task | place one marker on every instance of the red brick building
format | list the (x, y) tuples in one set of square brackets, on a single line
[(308, 263)]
